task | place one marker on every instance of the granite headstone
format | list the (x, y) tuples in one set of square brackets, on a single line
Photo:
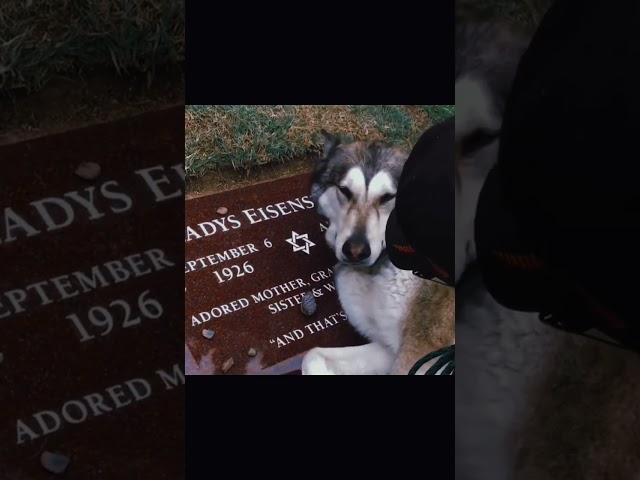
[(254, 257), (91, 295)]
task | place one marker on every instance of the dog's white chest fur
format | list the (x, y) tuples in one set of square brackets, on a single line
[(376, 304)]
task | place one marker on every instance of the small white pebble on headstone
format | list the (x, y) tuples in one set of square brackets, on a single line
[(228, 363), (88, 170), (208, 333), (54, 462), (222, 211), (308, 304), (252, 352)]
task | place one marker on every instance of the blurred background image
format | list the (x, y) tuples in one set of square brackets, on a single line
[(67, 64), (91, 296), (533, 401)]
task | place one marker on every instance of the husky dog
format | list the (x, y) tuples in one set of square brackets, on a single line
[(354, 186), (486, 57), (531, 402)]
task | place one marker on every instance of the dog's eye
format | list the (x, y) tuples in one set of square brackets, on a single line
[(387, 197), (346, 192), (477, 140)]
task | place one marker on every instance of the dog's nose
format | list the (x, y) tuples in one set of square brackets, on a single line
[(356, 249)]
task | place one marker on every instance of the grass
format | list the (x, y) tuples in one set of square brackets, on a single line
[(439, 112), (243, 137), (41, 39)]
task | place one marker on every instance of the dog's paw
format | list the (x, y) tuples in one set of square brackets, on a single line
[(315, 363)]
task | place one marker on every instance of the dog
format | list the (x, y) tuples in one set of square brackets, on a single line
[(486, 58), (404, 316), (531, 401)]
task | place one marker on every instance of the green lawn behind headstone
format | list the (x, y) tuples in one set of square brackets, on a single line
[(248, 136), (40, 39)]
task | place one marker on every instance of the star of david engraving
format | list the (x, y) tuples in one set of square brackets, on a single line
[(297, 247)]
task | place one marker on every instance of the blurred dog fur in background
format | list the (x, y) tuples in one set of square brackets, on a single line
[(531, 402)]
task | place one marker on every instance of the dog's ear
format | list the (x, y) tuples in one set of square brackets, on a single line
[(329, 143)]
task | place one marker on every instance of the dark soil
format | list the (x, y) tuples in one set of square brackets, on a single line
[(100, 96)]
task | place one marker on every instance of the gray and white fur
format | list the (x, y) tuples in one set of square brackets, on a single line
[(354, 187)]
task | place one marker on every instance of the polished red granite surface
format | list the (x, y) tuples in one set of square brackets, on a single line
[(251, 254), (90, 306)]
